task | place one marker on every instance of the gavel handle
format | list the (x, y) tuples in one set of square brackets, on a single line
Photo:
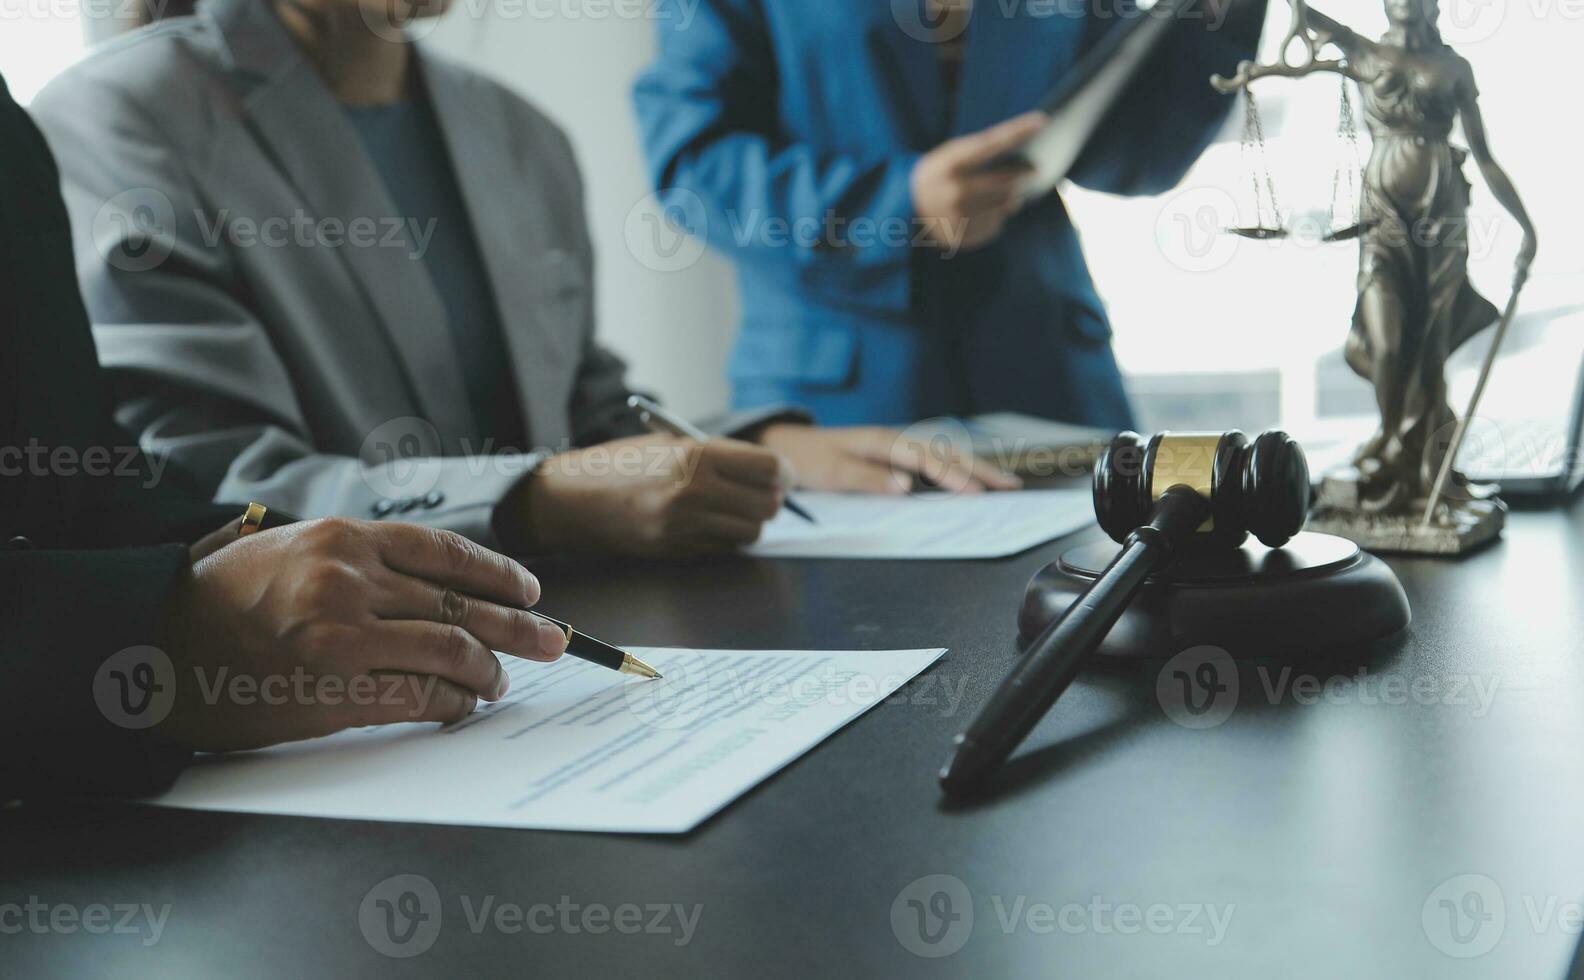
[(1058, 653)]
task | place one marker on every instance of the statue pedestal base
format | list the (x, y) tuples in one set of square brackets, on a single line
[(1459, 526)]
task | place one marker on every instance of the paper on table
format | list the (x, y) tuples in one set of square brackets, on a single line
[(572, 746), (930, 525)]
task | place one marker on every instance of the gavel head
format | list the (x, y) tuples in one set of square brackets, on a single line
[(1259, 487)]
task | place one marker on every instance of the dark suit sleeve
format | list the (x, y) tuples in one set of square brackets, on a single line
[(1170, 114), (85, 581), (148, 502), (65, 730)]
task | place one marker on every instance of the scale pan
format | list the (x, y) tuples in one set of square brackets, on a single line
[(1344, 234), (1261, 234)]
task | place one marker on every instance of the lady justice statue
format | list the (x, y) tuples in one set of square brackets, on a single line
[(1415, 303)]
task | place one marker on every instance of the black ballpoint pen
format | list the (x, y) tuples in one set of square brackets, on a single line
[(257, 518), (661, 420), (585, 647)]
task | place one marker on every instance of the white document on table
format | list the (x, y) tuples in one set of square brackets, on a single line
[(927, 525), (572, 746)]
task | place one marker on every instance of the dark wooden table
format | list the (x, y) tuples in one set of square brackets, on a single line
[(1325, 823)]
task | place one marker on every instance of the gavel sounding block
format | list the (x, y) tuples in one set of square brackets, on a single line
[(1320, 593)]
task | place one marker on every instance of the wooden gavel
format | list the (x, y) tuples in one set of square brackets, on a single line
[(1176, 492)]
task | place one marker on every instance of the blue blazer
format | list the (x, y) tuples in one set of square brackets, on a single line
[(784, 132)]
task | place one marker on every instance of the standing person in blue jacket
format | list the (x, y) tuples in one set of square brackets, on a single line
[(833, 150)]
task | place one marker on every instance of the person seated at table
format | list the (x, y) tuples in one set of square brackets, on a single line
[(115, 619), (310, 250)]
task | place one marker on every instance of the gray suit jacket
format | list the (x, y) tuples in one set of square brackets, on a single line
[(256, 293)]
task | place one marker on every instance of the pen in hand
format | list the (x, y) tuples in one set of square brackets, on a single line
[(585, 647), (258, 518), (661, 421)]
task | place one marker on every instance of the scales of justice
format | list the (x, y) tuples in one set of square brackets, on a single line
[(1415, 302), (1186, 577)]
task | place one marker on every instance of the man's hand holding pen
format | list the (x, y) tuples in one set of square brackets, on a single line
[(695, 495), (406, 614), (674, 496)]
